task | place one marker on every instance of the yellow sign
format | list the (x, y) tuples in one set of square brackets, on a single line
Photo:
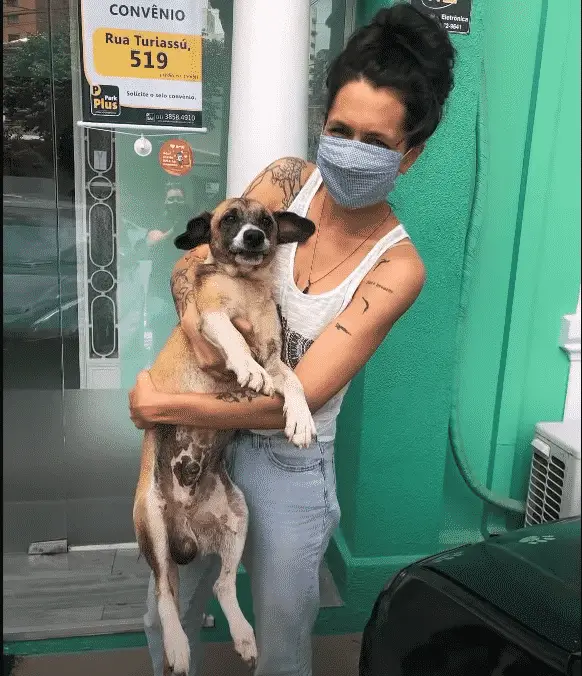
[(148, 55), (142, 62)]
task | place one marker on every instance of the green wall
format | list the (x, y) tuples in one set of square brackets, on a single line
[(546, 271), (495, 197), (392, 445)]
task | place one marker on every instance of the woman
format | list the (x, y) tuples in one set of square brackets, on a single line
[(339, 294)]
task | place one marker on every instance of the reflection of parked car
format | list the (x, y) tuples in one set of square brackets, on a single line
[(508, 606), (40, 271)]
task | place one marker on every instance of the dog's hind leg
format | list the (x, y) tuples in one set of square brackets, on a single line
[(172, 666), (231, 549), (153, 540)]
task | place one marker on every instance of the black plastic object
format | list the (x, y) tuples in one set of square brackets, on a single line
[(508, 606)]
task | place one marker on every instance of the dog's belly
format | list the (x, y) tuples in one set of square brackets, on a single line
[(192, 485), (190, 482), (184, 457)]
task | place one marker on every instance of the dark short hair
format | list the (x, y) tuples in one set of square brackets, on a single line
[(405, 50)]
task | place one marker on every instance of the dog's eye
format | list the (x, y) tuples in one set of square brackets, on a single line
[(266, 222), (229, 218)]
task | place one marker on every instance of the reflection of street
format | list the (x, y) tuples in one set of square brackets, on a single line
[(40, 273), (44, 364), (40, 341), (153, 207)]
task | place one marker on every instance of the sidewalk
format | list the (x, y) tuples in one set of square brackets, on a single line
[(333, 656)]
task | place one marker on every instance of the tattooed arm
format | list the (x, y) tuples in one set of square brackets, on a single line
[(330, 363), (278, 185), (181, 281), (182, 284)]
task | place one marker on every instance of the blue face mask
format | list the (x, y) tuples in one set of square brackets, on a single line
[(356, 174)]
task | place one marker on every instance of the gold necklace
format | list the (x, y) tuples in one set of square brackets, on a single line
[(360, 245)]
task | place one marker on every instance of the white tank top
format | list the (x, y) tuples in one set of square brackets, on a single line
[(305, 316)]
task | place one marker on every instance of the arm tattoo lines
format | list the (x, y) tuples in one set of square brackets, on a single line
[(379, 263), (339, 327), (367, 305), (379, 286), (182, 291), (237, 396), (286, 175)]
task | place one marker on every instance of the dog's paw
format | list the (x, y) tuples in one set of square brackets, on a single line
[(299, 426), (246, 647), (252, 376), (178, 653)]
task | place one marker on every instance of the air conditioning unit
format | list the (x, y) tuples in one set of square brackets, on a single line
[(554, 482)]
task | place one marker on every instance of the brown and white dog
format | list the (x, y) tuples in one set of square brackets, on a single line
[(185, 502)]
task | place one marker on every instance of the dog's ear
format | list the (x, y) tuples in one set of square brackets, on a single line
[(197, 232), (292, 228)]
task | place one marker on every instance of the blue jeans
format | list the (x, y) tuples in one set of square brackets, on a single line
[(293, 511)]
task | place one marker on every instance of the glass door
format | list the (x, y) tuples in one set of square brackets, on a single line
[(128, 210), (88, 228), (39, 279)]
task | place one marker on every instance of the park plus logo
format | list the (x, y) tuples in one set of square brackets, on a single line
[(105, 101)]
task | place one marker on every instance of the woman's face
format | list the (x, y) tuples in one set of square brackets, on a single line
[(361, 112)]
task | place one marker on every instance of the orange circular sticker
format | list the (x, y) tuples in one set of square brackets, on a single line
[(176, 157)]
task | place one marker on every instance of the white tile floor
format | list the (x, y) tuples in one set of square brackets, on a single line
[(85, 593)]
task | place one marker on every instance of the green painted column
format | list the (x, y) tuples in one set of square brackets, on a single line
[(496, 198), (546, 270), (392, 443), (526, 270), (509, 98)]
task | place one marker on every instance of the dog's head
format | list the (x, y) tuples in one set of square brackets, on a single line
[(244, 232)]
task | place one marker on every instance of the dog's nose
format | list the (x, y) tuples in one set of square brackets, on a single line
[(253, 239)]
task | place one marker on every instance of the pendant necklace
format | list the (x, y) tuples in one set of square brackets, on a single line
[(310, 282)]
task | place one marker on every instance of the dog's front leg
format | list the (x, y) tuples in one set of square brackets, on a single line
[(220, 331), (299, 425)]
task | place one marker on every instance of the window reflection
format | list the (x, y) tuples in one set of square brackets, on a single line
[(326, 40), (32, 293)]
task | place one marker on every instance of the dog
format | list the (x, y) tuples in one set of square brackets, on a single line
[(185, 503)]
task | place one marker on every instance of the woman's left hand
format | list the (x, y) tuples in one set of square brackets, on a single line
[(142, 401)]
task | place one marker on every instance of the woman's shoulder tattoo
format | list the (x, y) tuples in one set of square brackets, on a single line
[(285, 175)]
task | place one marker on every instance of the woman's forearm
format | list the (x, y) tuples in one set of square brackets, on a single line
[(224, 411)]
